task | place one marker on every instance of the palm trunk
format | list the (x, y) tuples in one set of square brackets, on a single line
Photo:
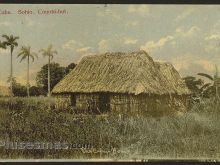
[(216, 83), (28, 85), (48, 77), (216, 90), (11, 75)]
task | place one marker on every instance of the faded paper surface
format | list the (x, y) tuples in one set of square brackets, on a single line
[(109, 82)]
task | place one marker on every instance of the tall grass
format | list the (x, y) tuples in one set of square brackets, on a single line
[(191, 135), (20, 103)]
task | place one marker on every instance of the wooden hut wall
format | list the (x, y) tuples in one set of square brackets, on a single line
[(87, 102), (124, 103), (62, 101), (128, 103), (146, 103)]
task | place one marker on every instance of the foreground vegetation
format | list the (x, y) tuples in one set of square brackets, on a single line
[(191, 135)]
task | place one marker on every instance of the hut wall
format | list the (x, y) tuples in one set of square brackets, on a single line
[(124, 103), (128, 103), (87, 102), (146, 104), (62, 101)]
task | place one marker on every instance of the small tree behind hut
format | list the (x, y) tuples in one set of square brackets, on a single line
[(57, 73)]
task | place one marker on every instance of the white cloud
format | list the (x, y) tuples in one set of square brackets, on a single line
[(187, 33), (118, 44), (213, 37), (181, 37), (84, 50), (186, 61), (129, 41), (151, 45), (72, 45), (103, 46), (185, 49), (78, 48), (142, 10), (212, 43)]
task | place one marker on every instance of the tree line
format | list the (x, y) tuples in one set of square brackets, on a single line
[(49, 75)]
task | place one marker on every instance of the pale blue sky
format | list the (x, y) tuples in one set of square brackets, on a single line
[(188, 36)]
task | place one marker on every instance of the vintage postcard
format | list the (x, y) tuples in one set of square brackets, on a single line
[(109, 82)]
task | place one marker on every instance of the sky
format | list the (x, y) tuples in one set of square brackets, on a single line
[(188, 36)]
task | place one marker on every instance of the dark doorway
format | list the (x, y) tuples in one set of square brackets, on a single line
[(104, 100), (73, 100)]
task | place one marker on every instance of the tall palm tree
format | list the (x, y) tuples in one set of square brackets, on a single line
[(25, 53), (48, 52), (10, 41)]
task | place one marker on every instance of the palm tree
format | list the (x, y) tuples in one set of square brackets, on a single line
[(213, 85), (25, 53), (10, 41), (48, 52)]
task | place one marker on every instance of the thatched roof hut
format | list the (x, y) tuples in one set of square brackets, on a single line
[(126, 73), (128, 82), (4, 91)]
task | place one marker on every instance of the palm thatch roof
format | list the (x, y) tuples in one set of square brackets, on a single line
[(5, 91), (131, 73)]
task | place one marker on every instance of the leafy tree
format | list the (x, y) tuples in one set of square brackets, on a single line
[(37, 91), (10, 41), (56, 74), (194, 84), (211, 88), (48, 52), (70, 67), (25, 53)]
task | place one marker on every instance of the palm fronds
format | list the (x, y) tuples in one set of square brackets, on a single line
[(48, 52), (25, 52), (2, 45), (206, 75)]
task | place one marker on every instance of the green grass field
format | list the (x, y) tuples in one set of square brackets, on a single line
[(193, 135)]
